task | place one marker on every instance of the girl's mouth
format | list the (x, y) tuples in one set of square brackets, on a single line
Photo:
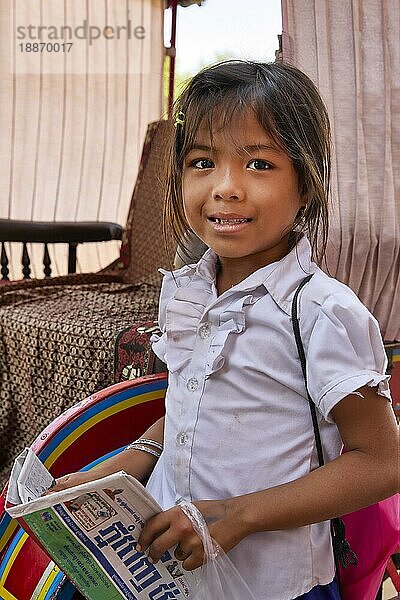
[(229, 224), (228, 221)]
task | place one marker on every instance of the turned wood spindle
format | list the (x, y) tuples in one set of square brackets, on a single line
[(26, 261), (46, 262), (4, 262)]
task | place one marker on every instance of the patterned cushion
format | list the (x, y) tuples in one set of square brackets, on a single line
[(56, 348), (132, 354)]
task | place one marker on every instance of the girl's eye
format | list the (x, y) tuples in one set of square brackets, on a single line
[(258, 165), (202, 163)]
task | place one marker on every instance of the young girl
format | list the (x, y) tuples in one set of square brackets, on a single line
[(250, 177)]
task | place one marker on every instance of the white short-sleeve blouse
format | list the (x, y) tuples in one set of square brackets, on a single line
[(237, 419)]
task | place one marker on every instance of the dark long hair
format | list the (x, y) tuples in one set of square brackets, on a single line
[(287, 105)]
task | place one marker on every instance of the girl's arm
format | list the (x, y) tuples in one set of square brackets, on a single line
[(135, 462), (366, 473)]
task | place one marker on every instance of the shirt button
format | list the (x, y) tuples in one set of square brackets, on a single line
[(204, 330), (182, 438), (192, 384)]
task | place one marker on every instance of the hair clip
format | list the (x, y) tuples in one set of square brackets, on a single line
[(180, 119)]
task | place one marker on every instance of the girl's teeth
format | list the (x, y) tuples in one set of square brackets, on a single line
[(230, 221)]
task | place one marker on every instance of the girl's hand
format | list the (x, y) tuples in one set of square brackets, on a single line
[(173, 528), (68, 481)]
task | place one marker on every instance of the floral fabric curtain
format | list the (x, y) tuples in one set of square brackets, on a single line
[(351, 49)]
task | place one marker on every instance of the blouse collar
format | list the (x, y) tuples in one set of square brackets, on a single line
[(279, 278)]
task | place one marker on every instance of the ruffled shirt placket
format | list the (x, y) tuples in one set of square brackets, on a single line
[(206, 333), (191, 389)]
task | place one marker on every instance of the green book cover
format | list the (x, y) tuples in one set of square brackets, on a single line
[(91, 531)]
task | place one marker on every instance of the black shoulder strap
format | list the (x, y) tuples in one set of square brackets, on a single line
[(302, 356), (344, 556)]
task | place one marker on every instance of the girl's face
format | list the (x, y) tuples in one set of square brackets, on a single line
[(240, 194)]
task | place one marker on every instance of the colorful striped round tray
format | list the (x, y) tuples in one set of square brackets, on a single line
[(80, 438)]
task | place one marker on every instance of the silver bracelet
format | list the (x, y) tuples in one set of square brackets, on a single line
[(152, 443), (143, 448)]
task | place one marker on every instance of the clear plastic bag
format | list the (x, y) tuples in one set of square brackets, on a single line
[(218, 578)]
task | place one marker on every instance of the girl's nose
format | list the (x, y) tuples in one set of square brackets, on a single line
[(228, 186)]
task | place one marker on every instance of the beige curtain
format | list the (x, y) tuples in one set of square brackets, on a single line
[(73, 117), (351, 49)]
